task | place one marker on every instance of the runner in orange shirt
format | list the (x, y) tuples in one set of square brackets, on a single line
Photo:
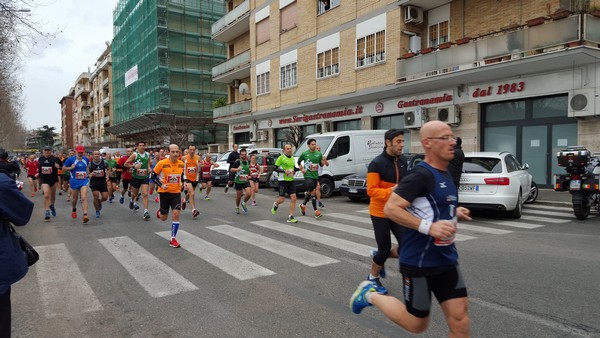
[(193, 164), (167, 175)]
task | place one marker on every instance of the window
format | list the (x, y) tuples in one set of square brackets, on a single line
[(262, 31), (439, 33), (288, 15), (341, 147), (328, 63), (370, 49), (263, 83), (289, 75), (325, 5)]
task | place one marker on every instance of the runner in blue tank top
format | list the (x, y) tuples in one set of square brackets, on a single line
[(426, 203)]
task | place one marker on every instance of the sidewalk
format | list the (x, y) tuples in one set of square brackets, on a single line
[(551, 197)]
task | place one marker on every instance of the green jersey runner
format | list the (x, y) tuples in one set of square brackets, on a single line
[(142, 159), (312, 161), (287, 164), (243, 175)]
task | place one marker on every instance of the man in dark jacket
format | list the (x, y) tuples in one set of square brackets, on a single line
[(233, 156), (15, 208), (8, 166), (455, 165)]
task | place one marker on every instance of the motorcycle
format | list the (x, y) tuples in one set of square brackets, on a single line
[(581, 180)]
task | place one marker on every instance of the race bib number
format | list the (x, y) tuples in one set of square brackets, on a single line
[(313, 167), (206, 174), (191, 170), (254, 174), (81, 175), (142, 172), (130, 170), (243, 178), (98, 173), (173, 178), (46, 170)]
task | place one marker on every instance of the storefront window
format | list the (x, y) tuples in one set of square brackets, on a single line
[(280, 137), (505, 111), (309, 129), (347, 125), (501, 139), (242, 137), (550, 107), (393, 121)]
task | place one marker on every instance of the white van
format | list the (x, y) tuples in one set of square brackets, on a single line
[(113, 151), (348, 152)]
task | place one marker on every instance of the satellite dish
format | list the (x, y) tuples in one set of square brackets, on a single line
[(244, 89)]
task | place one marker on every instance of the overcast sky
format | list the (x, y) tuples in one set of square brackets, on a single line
[(51, 69)]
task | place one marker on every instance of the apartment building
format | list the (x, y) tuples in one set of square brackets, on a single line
[(100, 102), (66, 117), (162, 56), (82, 110), (518, 76)]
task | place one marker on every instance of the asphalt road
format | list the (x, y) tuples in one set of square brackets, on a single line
[(254, 275)]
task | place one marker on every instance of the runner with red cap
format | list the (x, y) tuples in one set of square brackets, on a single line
[(79, 181)]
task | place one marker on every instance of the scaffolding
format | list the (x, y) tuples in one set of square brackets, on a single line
[(162, 58)]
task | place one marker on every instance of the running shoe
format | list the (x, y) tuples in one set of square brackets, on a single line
[(52, 210), (68, 199), (291, 219), (303, 209), (206, 198), (156, 199), (183, 204), (318, 214), (274, 209), (60, 193), (226, 189), (158, 213), (358, 301), (122, 200), (382, 273), (85, 218), (97, 214), (146, 216), (47, 216), (135, 206), (321, 205), (379, 288), (110, 200), (33, 195), (237, 210), (74, 215), (130, 205), (253, 203), (195, 213), (200, 189), (173, 243), (244, 207)]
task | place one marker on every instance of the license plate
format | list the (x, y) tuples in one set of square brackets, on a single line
[(352, 191), (575, 185), (468, 187)]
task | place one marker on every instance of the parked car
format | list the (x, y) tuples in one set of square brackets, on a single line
[(265, 157), (494, 181), (355, 186)]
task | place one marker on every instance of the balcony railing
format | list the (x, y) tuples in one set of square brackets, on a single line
[(105, 83), (233, 109), (238, 67), (106, 120), (233, 24), (526, 42), (106, 101)]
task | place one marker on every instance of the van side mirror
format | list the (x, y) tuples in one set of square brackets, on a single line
[(332, 154)]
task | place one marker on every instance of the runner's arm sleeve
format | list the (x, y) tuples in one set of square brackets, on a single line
[(156, 178)]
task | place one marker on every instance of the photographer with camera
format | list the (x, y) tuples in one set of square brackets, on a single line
[(15, 208)]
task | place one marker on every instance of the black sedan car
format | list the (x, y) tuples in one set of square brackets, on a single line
[(355, 186)]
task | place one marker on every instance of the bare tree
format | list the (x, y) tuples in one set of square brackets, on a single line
[(294, 135)]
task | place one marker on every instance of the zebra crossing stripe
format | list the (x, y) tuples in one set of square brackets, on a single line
[(286, 250), (156, 277), (545, 219), (342, 227), (63, 288), (514, 224), (338, 243), (470, 226), (364, 211), (366, 220), (230, 263), (548, 213), (549, 207)]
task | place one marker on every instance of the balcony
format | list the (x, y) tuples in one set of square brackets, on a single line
[(424, 4), (86, 115), (545, 45), (82, 89), (233, 24), (105, 83), (238, 67), (233, 109), (106, 101), (106, 120)]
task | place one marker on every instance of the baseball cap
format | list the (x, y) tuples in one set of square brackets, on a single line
[(79, 149), (48, 148)]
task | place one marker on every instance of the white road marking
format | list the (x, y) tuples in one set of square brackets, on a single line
[(471, 226), (548, 213), (156, 277), (545, 219), (516, 224), (286, 250), (63, 287), (366, 220), (526, 207), (227, 261), (364, 211)]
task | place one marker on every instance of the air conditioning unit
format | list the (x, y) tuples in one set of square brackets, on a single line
[(582, 103), (414, 118), (324, 127), (262, 135), (252, 136), (449, 114), (413, 14), (235, 83)]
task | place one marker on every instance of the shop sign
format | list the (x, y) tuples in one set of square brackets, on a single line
[(500, 89), (425, 101), (241, 127), (321, 116)]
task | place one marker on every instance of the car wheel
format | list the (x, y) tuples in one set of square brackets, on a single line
[(326, 187), (518, 208), (533, 193)]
